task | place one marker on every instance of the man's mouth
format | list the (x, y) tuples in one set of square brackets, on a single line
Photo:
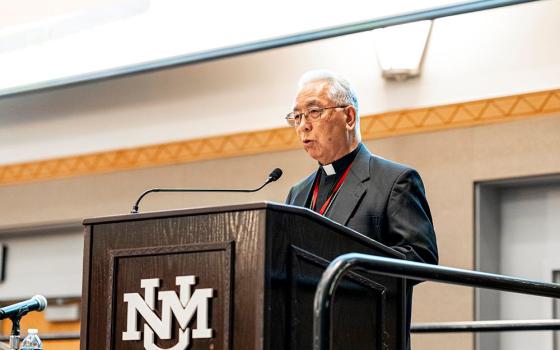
[(307, 142)]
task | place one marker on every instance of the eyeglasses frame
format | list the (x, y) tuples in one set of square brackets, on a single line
[(305, 115)]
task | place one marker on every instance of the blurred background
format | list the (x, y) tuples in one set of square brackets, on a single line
[(97, 105)]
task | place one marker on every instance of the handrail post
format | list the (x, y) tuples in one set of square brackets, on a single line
[(324, 298)]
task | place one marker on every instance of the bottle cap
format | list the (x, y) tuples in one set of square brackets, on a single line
[(32, 331)]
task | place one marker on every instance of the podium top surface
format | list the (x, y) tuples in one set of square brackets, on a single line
[(188, 211), (206, 210), (265, 205)]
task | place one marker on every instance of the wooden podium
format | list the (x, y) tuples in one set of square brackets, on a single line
[(237, 277)]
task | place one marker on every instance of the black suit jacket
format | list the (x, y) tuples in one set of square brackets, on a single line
[(385, 201)]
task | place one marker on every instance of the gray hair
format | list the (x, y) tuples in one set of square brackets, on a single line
[(340, 91)]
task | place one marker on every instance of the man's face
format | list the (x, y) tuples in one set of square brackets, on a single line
[(327, 138)]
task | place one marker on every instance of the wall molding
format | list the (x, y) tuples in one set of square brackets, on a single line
[(389, 124)]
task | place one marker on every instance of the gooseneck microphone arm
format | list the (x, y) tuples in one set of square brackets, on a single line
[(274, 175), (135, 206)]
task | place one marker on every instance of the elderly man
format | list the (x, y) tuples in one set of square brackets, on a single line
[(381, 199)]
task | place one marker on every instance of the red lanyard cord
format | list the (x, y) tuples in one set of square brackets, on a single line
[(332, 194)]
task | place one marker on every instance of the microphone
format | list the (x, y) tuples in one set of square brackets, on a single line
[(37, 303), (273, 176)]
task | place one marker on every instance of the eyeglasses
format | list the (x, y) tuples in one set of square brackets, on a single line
[(312, 114)]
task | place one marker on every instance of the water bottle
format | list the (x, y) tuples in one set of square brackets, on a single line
[(32, 341)]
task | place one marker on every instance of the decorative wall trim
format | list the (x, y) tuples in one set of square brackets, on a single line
[(459, 115)]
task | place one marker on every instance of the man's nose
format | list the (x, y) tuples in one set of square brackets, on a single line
[(305, 124)]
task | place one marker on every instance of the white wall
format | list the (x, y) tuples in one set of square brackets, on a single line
[(479, 55), (21, 12), (47, 261)]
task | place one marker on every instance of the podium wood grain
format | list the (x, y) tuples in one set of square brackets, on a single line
[(263, 260)]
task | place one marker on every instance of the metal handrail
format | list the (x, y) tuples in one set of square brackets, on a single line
[(410, 270), (486, 326)]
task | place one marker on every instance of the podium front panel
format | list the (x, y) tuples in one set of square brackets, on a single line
[(123, 256)]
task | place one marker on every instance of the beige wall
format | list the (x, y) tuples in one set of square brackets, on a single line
[(449, 161)]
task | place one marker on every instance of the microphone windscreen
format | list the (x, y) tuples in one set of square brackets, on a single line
[(275, 174), (42, 301)]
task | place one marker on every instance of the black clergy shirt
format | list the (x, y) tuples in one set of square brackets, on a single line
[(327, 182)]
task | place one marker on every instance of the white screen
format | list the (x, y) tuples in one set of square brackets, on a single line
[(121, 36)]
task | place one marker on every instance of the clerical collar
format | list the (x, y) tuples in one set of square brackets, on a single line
[(340, 164)]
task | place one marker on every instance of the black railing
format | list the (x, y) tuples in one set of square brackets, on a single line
[(411, 270), (416, 271), (435, 327), (486, 326)]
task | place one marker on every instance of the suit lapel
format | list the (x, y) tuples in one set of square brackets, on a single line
[(352, 189), (303, 193)]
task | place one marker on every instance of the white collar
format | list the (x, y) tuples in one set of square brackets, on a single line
[(329, 169)]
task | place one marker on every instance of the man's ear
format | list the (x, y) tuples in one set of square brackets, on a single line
[(350, 118)]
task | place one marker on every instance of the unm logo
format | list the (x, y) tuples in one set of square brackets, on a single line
[(183, 307)]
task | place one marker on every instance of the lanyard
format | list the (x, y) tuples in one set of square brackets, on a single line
[(331, 196)]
